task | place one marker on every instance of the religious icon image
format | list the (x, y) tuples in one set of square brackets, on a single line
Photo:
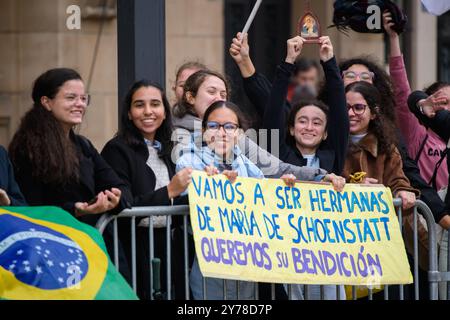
[(309, 28)]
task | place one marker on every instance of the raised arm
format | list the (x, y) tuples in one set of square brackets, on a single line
[(256, 86), (275, 111), (429, 110), (410, 127), (339, 125)]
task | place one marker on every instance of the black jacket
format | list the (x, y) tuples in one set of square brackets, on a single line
[(8, 182), (95, 176), (130, 164), (332, 151), (439, 124)]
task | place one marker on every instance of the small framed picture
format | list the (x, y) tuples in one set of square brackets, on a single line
[(309, 27)]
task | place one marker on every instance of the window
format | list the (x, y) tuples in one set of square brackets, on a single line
[(444, 47), (267, 40)]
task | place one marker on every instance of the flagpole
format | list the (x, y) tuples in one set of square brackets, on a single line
[(250, 18)]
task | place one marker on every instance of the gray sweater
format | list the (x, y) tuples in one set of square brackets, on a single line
[(271, 166)]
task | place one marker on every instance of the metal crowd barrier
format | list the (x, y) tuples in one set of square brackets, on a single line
[(434, 275)]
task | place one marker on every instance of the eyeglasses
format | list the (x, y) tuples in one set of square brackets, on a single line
[(228, 127), (363, 76), (85, 98), (358, 108)]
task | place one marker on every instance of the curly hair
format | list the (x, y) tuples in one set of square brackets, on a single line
[(131, 134), (381, 81), (41, 140), (382, 128)]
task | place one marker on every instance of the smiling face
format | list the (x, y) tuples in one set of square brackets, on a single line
[(359, 123), (147, 111), (309, 129), (211, 90), (221, 142), (358, 73), (69, 104)]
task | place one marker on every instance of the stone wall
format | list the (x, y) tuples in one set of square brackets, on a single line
[(34, 38)]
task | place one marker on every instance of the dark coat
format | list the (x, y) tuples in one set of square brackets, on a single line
[(439, 124), (385, 167), (95, 175), (130, 164), (332, 151), (8, 182)]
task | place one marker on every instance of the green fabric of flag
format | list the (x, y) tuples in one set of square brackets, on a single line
[(46, 253)]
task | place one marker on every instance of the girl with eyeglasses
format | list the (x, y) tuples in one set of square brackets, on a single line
[(412, 139), (54, 166), (222, 125), (372, 149), (201, 90)]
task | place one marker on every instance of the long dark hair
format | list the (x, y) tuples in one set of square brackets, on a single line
[(192, 85), (383, 130), (128, 130), (381, 81), (293, 113), (41, 140), (242, 121)]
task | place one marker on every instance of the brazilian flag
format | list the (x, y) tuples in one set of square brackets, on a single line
[(47, 254)]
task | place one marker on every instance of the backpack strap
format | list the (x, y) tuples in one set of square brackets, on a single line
[(438, 164), (422, 146)]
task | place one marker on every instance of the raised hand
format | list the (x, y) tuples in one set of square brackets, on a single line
[(239, 49), (294, 48), (240, 52), (388, 24), (437, 101), (326, 49)]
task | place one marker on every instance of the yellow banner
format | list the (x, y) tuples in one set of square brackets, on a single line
[(261, 230)]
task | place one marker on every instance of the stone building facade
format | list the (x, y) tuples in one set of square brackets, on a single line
[(34, 37)]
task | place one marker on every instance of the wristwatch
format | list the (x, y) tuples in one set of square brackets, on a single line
[(419, 106)]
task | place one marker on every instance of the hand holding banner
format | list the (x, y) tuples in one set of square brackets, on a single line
[(262, 230)]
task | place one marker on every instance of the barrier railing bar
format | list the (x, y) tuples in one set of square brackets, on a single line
[(133, 252), (433, 274)]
